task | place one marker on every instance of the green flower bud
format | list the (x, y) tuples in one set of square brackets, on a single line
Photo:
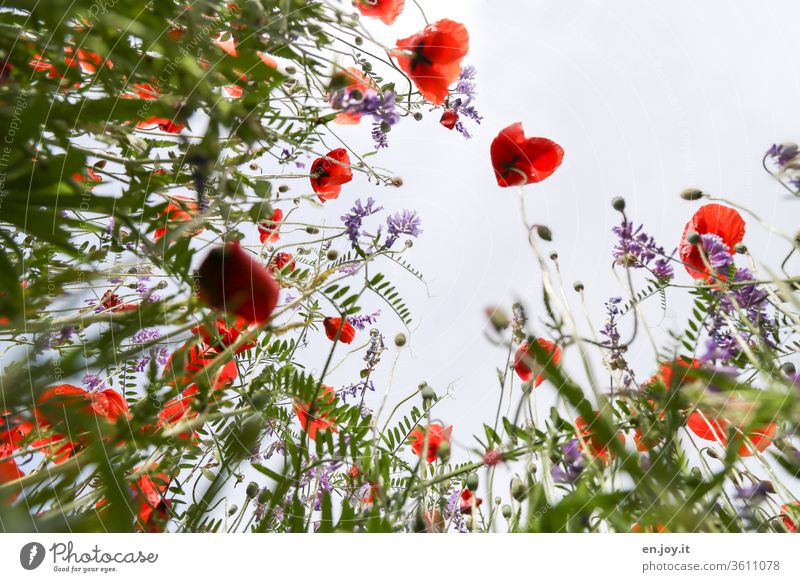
[(233, 509), (312, 230), (332, 254), (290, 70), (506, 511), (518, 489), (264, 495), (443, 451), (578, 286), (252, 489), (472, 481), (427, 393), (544, 232), (358, 40), (400, 340), (789, 369), (283, 188), (692, 238), (740, 248), (691, 194), (618, 203), (498, 318), (418, 116)]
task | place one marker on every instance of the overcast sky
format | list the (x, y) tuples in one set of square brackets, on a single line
[(646, 98)]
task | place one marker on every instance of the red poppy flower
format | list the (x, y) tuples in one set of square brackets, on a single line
[(232, 280), (386, 11), (86, 61), (269, 230), (526, 366), (449, 118), (267, 60), (318, 420), (437, 434), (142, 91), (644, 442), (518, 160), (186, 364), (710, 219), (89, 177), (233, 91), (164, 124), (356, 81), (715, 429), (153, 507), (679, 370), (176, 211), (281, 261), (226, 42), (329, 173), (594, 446), (433, 521), (225, 335), (9, 471), (790, 515), (356, 477), (432, 58), (333, 325), (466, 501)]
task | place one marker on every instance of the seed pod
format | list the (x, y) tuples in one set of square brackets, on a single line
[(332, 254), (506, 509), (691, 194), (400, 340), (518, 489), (789, 369), (618, 203), (693, 238), (472, 481), (544, 232), (578, 286), (252, 490), (427, 393)]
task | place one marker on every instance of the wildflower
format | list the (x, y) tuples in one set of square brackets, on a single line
[(526, 365), (386, 11), (354, 219), (571, 465), (313, 421), (269, 230), (714, 219), (338, 328), (449, 118), (282, 261), (436, 435), (178, 210), (432, 57), (406, 222), (637, 249), (146, 335), (593, 445), (518, 160), (232, 280), (467, 501), (360, 322), (329, 173)]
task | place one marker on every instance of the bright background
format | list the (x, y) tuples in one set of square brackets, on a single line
[(647, 98)]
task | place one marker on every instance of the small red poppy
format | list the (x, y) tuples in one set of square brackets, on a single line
[(356, 82), (281, 261), (111, 302), (711, 428), (9, 471), (710, 219), (164, 124), (594, 446), (188, 363), (437, 434), (153, 507), (525, 364), (329, 173), (176, 211), (465, 504), (449, 118), (432, 58), (225, 335), (790, 515), (386, 11), (336, 326), (318, 420), (269, 230), (518, 160), (232, 280), (226, 42)]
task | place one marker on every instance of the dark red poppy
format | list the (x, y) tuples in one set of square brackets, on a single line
[(269, 230), (178, 210), (153, 506), (465, 504), (336, 326), (232, 280), (449, 118), (386, 11), (164, 124), (329, 173), (437, 434), (710, 219), (356, 81), (111, 302), (219, 335), (432, 58), (526, 366), (518, 160), (594, 446), (316, 420), (282, 261)]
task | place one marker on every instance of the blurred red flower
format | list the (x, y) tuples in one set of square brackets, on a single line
[(594, 446), (177, 210), (281, 261), (269, 230), (437, 434), (432, 58), (526, 366), (465, 504), (518, 160), (313, 421), (386, 11)]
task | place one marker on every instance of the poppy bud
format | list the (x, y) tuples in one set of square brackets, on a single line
[(553, 256), (618, 203), (693, 238), (532, 468), (578, 286), (252, 489), (506, 511), (518, 489), (498, 501), (400, 340), (740, 248), (232, 280), (358, 40), (443, 450), (290, 70), (544, 232), (283, 188), (233, 509), (332, 254), (418, 116), (498, 318), (788, 369), (259, 400), (397, 181), (691, 194), (312, 230), (427, 392), (472, 481), (264, 495), (712, 453), (767, 486)]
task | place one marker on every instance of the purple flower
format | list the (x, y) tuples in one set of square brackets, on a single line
[(379, 136), (717, 252), (354, 219), (638, 250), (783, 154), (361, 321), (569, 469), (94, 382), (406, 222), (145, 335), (161, 355)]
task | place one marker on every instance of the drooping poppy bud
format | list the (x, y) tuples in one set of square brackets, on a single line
[(333, 325), (232, 280), (449, 119)]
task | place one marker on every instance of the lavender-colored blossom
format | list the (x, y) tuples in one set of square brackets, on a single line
[(379, 136), (356, 390), (782, 154), (465, 85), (94, 382), (354, 219), (161, 355), (145, 335), (140, 365), (610, 329), (362, 321), (406, 222), (635, 248), (375, 349), (717, 252), (569, 469)]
